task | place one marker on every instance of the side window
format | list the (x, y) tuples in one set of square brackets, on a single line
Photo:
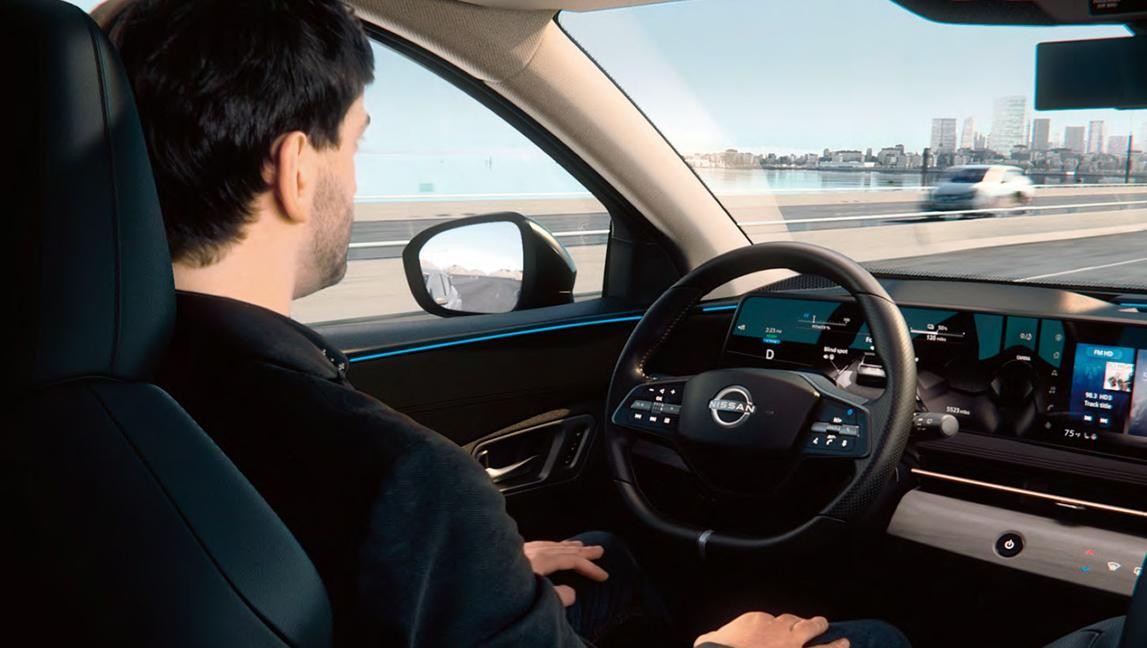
[(432, 154)]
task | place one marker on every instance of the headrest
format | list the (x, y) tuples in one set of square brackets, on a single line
[(90, 285)]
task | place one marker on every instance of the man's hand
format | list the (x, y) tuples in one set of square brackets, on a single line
[(761, 630), (549, 557)]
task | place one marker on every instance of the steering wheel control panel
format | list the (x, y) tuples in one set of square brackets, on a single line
[(839, 430), (1069, 382), (654, 407)]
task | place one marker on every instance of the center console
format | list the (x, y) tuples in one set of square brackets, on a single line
[(1049, 469)]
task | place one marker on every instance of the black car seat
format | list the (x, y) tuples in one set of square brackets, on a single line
[(123, 524)]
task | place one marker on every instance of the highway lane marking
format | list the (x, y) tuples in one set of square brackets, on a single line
[(1098, 267)]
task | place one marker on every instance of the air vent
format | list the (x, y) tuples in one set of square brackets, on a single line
[(1131, 302)]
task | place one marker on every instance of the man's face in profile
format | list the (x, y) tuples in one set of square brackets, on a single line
[(326, 256)]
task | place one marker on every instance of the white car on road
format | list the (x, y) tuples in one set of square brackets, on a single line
[(980, 186)]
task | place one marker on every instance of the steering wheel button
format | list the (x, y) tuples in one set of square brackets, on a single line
[(850, 430), (658, 408), (672, 409), (820, 427), (641, 405)]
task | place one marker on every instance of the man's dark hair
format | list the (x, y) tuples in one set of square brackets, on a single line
[(216, 83)]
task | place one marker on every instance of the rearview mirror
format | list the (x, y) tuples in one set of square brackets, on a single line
[(496, 263), (1101, 73)]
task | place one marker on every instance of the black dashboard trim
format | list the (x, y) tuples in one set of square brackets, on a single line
[(1080, 462), (1059, 499)]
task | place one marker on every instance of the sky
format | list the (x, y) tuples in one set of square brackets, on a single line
[(783, 76), (800, 76)]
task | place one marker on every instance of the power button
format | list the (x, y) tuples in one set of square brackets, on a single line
[(1009, 545)]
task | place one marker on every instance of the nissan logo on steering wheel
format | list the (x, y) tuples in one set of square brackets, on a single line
[(732, 406)]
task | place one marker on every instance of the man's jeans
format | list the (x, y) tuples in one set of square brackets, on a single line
[(600, 607)]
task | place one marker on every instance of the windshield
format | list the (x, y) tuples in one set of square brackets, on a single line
[(964, 175), (832, 122)]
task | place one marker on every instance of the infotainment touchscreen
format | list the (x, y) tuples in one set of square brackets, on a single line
[(1101, 386), (1080, 383), (1138, 424)]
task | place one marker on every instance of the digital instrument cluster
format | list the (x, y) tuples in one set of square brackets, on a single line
[(1079, 383)]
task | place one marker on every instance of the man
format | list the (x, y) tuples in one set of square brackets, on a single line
[(252, 110)]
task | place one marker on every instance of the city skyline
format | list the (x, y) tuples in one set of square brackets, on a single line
[(1034, 134)]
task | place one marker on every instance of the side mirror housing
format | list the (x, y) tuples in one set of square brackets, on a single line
[(496, 263)]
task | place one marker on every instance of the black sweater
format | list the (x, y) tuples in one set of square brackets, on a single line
[(411, 539)]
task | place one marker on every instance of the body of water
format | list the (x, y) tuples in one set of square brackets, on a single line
[(529, 174)]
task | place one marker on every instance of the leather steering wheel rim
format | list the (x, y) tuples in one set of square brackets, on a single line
[(890, 414)]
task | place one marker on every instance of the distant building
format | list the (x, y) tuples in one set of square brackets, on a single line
[(892, 157), (1117, 145), (943, 135), (1041, 134), (1008, 119), (847, 157), (1073, 138), (1096, 133), (968, 134), (980, 142)]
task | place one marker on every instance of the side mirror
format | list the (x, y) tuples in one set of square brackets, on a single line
[(495, 263)]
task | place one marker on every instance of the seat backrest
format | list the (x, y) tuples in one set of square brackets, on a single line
[(1135, 627), (123, 523)]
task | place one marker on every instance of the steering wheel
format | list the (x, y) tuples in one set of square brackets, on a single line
[(773, 419)]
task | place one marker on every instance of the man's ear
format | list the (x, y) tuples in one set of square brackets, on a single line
[(291, 176)]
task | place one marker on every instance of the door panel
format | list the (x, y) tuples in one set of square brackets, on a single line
[(480, 384)]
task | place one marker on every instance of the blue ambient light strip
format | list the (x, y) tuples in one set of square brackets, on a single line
[(510, 334), (494, 336)]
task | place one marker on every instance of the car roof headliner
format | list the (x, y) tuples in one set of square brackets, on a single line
[(980, 12), (561, 5), (1013, 12)]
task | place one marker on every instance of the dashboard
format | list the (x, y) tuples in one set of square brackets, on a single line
[(1041, 377)]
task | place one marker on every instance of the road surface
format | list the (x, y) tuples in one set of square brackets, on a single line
[(1108, 261)]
